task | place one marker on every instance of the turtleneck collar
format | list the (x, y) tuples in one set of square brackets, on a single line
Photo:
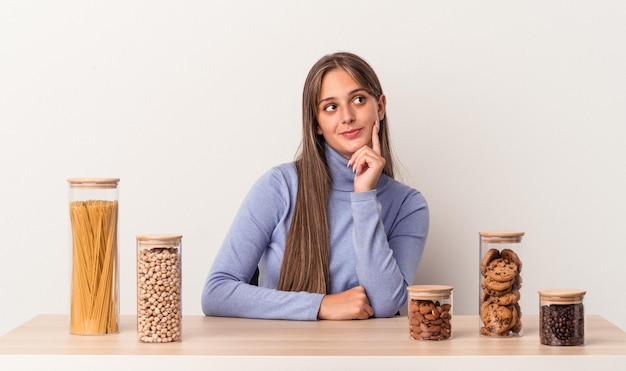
[(342, 175)]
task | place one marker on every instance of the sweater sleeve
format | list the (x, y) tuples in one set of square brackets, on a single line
[(226, 291), (387, 261)]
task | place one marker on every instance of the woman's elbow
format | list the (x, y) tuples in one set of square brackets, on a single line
[(205, 302), (386, 311), (391, 306), (207, 299)]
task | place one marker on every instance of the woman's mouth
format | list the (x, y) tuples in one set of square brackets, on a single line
[(350, 134)]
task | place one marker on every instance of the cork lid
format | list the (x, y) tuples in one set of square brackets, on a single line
[(501, 236), (93, 182), (430, 291), (562, 296), (158, 240)]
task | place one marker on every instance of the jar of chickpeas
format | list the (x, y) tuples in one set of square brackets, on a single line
[(159, 284)]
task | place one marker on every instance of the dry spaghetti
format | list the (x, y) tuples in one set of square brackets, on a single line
[(94, 307)]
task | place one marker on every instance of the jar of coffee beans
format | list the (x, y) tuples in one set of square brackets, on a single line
[(430, 312), (561, 317), (500, 283), (159, 280)]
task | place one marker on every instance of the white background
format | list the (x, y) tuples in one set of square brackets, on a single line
[(505, 114)]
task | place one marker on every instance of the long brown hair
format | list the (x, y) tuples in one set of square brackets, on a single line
[(305, 265)]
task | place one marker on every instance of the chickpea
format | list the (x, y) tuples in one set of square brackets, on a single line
[(159, 293)]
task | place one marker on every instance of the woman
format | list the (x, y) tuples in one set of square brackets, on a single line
[(334, 236)]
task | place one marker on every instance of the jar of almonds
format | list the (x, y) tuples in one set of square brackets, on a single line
[(561, 317), (159, 280), (500, 281), (430, 312)]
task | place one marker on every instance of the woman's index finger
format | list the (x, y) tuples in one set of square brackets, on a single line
[(375, 138)]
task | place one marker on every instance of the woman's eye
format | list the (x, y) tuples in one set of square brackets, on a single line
[(330, 107), (360, 99)]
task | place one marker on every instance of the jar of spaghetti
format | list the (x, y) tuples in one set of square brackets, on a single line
[(159, 279), (94, 307), (561, 317), (430, 312), (500, 281)]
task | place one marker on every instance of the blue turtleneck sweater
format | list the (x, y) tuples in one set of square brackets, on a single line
[(376, 241)]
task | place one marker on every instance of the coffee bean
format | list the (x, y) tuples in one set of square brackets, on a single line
[(562, 325)]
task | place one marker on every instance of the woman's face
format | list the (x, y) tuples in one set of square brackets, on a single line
[(347, 113)]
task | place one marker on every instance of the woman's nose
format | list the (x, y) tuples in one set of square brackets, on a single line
[(347, 115)]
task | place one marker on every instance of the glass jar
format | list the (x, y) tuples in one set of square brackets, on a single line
[(561, 317), (500, 268), (159, 286), (430, 312), (94, 308)]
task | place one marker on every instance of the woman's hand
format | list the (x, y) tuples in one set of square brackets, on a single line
[(368, 164), (346, 305)]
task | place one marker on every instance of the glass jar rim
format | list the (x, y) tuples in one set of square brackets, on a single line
[(159, 240), (562, 292), (430, 291), (93, 182), (501, 233), (501, 236), (562, 296)]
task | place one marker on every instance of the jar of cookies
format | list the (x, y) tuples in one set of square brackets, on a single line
[(500, 279), (430, 312), (93, 209), (561, 317), (159, 280)]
